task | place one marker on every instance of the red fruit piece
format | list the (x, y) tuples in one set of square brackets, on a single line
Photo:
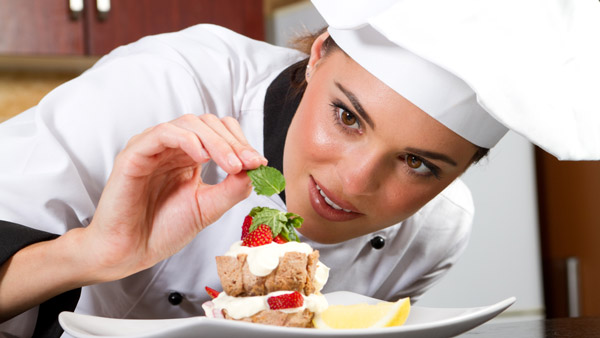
[(261, 236), (279, 239), (212, 292), (246, 226), (286, 301)]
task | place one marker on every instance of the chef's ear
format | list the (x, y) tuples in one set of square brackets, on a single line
[(316, 54)]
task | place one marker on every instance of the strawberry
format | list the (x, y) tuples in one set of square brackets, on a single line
[(286, 301), (279, 239), (212, 292), (246, 226), (261, 236)]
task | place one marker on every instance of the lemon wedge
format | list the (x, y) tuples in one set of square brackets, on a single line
[(361, 316)]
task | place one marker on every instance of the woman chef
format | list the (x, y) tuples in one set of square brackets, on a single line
[(121, 186)]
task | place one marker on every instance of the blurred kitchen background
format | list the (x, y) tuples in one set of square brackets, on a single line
[(537, 223)]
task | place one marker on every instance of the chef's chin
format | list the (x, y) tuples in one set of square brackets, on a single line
[(323, 232)]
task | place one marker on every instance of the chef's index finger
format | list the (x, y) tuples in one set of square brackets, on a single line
[(142, 149), (222, 149), (229, 129), (234, 128)]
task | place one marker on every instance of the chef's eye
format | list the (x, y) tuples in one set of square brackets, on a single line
[(348, 118), (421, 167), (344, 117)]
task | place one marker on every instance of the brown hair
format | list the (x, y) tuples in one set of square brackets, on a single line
[(480, 153), (304, 43)]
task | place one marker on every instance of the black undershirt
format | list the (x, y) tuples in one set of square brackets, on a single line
[(281, 101), (13, 238)]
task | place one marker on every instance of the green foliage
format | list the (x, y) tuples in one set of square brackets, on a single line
[(281, 223), (267, 180)]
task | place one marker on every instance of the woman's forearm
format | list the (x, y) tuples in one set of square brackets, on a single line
[(41, 271)]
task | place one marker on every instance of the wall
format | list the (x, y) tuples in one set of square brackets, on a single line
[(503, 257), (285, 22), (25, 80), (20, 90)]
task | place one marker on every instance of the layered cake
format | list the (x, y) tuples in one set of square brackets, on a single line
[(268, 280), (268, 276)]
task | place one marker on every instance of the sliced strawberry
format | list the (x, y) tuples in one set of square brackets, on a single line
[(286, 301), (279, 239), (261, 236), (212, 292), (246, 226)]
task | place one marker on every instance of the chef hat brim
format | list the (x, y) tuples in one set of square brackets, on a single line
[(532, 65)]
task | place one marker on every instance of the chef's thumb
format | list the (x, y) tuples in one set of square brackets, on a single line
[(215, 200)]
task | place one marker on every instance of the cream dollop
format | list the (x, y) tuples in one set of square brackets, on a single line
[(265, 258), (241, 307), (321, 276)]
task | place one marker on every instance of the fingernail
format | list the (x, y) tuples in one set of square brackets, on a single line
[(248, 155), (204, 154), (233, 160)]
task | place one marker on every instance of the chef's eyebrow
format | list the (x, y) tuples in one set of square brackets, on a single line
[(357, 106), (365, 116), (432, 155)]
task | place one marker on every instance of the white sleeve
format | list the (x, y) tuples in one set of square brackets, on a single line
[(57, 156)]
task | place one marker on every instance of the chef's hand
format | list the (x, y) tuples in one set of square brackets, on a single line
[(155, 202)]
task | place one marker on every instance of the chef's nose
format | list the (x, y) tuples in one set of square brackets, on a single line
[(361, 171)]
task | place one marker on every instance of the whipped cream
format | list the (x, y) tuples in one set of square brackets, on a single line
[(321, 276), (262, 260), (241, 307)]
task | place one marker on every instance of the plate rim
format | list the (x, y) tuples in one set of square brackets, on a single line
[(484, 313)]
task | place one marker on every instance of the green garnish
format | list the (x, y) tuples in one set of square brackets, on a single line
[(281, 223), (268, 181)]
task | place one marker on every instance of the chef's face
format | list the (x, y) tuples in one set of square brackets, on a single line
[(359, 157)]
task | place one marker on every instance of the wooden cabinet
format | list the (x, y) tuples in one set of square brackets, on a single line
[(569, 195), (50, 27), (39, 27)]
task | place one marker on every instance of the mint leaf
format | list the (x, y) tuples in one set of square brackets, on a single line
[(266, 180), (281, 223)]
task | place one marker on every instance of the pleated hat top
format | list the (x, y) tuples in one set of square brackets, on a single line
[(482, 67)]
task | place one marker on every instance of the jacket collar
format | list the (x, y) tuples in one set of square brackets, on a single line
[(281, 101)]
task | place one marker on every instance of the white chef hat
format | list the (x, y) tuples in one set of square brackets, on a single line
[(481, 67)]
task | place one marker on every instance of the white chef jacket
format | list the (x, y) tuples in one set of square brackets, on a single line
[(57, 156)]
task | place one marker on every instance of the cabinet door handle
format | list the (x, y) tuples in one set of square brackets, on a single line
[(75, 8), (573, 292), (103, 7)]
